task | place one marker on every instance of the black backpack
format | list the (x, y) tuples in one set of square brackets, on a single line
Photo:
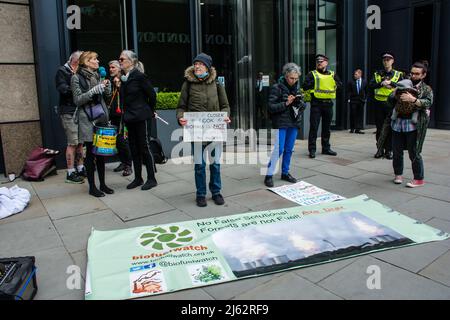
[(157, 151)]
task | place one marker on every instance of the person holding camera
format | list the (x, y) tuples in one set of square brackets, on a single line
[(286, 108), (322, 84), (88, 91)]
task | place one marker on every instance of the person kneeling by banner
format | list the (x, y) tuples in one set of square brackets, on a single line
[(412, 100), (202, 93)]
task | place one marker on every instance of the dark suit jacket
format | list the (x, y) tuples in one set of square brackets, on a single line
[(352, 91), (138, 97)]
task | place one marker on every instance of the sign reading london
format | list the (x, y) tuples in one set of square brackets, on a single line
[(205, 127)]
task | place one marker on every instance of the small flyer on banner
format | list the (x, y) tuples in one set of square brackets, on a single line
[(306, 194), (205, 126)]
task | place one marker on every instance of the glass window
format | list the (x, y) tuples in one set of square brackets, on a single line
[(100, 29), (218, 23), (164, 41)]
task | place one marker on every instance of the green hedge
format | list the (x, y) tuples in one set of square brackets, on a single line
[(167, 100)]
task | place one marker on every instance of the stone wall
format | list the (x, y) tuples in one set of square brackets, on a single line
[(20, 128)]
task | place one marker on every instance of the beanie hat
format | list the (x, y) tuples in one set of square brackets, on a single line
[(205, 59)]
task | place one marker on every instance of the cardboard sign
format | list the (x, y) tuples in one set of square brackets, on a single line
[(205, 126)]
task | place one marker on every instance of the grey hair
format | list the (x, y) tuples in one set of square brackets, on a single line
[(132, 56), (114, 62), (74, 56), (290, 68)]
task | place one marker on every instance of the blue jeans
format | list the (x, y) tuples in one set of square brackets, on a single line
[(284, 146), (214, 152)]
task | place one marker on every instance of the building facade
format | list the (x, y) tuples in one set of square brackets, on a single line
[(249, 40)]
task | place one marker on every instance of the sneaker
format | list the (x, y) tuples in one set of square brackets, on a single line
[(268, 181), (398, 180), (288, 178), (218, 200), (82, 173), (415, 184), (74, 178), (201, 202), (388, 155)]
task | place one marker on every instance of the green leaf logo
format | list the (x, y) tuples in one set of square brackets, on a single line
[(161, 239)]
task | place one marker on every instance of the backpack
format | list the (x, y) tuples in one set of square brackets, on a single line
[(40, 164), (157, 151)]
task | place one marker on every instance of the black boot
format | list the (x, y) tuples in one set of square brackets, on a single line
[(136, 183)]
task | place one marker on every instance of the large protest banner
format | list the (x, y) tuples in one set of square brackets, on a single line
[(205, 126), (145, 261)]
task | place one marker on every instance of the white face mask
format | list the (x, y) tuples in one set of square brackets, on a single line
[(124, 79)]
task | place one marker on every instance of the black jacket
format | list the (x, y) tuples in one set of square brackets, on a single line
[(63, 85), (280, 113), (138, 97), (310, 83), (352, 91)]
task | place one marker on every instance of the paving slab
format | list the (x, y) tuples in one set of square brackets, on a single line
[(75, 231), (386, 196), (172, 189), (413, 258), (80, 259), (34, 210), (351, 283), (242, 171), (424, 209), (59, 189), (72, 205), (135, 204), (28, 236), (254, 198), (160, 219), (191, 294), (439, 270), (230, 290), (187, 205), (317, 273), (52, 273), (376, 165), (288, 287), (231, 187), (339, 171)]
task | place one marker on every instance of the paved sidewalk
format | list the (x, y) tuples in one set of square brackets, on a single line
[(56, 225)]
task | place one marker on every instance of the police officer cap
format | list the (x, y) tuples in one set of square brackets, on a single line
[(321, 57), (387, 55)]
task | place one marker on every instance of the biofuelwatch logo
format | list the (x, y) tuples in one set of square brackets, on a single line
[(163, 239)]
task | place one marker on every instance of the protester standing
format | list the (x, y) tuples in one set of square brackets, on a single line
[(139, 101), (383, 84), (74, 152), (201, 92), (357, 95), (409, 131), (88, 90), (322, 85), (116, 116), (286, 107)]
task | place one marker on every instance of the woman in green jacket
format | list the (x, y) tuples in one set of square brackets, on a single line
[(202, 93)]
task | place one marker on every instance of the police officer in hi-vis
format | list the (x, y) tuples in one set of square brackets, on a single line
[(383, 84), (321, 85)]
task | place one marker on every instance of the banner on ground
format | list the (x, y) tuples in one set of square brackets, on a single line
[(205, 127), (305, 194), (145, 261)]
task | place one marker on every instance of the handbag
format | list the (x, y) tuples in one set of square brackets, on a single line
[(94, 111)]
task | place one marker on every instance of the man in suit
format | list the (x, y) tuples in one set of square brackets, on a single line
[(357, 93)]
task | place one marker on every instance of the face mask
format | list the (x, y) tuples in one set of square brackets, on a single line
[(124, 79), (202, 76)]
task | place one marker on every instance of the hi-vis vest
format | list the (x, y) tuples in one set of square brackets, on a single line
[(382, 94), (325, 85)]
